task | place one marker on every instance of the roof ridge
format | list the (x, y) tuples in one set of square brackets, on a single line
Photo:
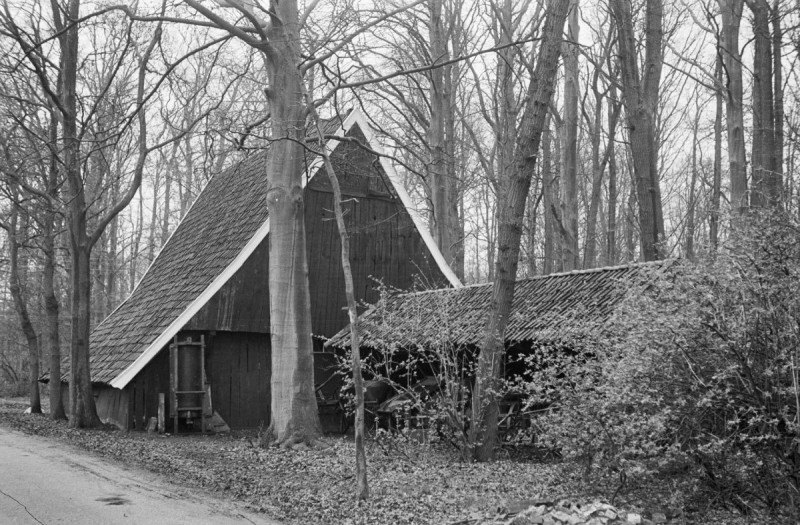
[(550, 275), (603, 269)]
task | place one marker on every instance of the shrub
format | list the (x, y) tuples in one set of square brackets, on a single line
[(703, 370), (417, 351)]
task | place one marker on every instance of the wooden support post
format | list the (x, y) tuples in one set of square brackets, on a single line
[(161, 407), (203, 383)]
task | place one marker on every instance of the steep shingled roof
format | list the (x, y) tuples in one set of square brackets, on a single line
[(544, 308), (220, 231), (215, 230)]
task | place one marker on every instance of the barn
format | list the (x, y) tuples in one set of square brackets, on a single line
[(208, 286)]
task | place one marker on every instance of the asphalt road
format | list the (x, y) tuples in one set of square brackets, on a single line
[(43, 482)]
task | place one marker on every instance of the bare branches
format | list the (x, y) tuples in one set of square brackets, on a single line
[(244, 35), (435, 65)]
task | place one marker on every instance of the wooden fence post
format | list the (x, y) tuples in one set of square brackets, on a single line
[(161, 413)]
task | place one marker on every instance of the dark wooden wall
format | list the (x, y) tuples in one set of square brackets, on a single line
[(144, 389), (384, 245), (238, 368), (242, 304)]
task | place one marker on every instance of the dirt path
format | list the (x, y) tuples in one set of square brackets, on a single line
[(43, 481)]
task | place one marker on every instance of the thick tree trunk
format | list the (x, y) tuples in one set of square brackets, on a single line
[(441, 183), (514, 187), (777, 75), (294, 406), (82, 413), (51, 305), (51, 324), (731, 11), (569, 215), (82, 408), (641, 101), (767, 184)]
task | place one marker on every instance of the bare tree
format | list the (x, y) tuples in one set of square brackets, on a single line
[(77, 110), (731, 11), (569, 166), (640, 95), (767, 183), (514, 188), (600, 161), (16, 286), (294, 417)]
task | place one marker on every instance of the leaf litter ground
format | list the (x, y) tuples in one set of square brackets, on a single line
[(409, 483)]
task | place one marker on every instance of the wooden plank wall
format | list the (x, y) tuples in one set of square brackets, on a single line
[(238, 367), (142, 392), (112, 405), (242, 305), (384, 244)]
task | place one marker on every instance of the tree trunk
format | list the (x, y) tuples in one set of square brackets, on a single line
[(590, 243), (514, 187), (440, 167), (611, 236), (152, 243), (731, 11), (82, 408), (569, 215), (641, 102), (51, 324), (716, 184), (767, 184), (531, 229), (111, 269), (20, 304), (51, 305), (362, 486), (777, 74), (548, 201), (630, 223), (598, 168), (83, 413), (294, 406), (133, 274), (690, 215)]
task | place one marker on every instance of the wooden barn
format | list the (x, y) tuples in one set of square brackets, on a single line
[(210, 282)]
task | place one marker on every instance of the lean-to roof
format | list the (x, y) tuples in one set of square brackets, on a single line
[(544, 308)]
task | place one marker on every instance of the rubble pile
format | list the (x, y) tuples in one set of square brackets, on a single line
[(536, 512)]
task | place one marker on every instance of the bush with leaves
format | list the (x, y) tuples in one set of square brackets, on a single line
[(702, 370), (419, 350)]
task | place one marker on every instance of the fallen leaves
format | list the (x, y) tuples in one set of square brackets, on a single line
[(424, 484)]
